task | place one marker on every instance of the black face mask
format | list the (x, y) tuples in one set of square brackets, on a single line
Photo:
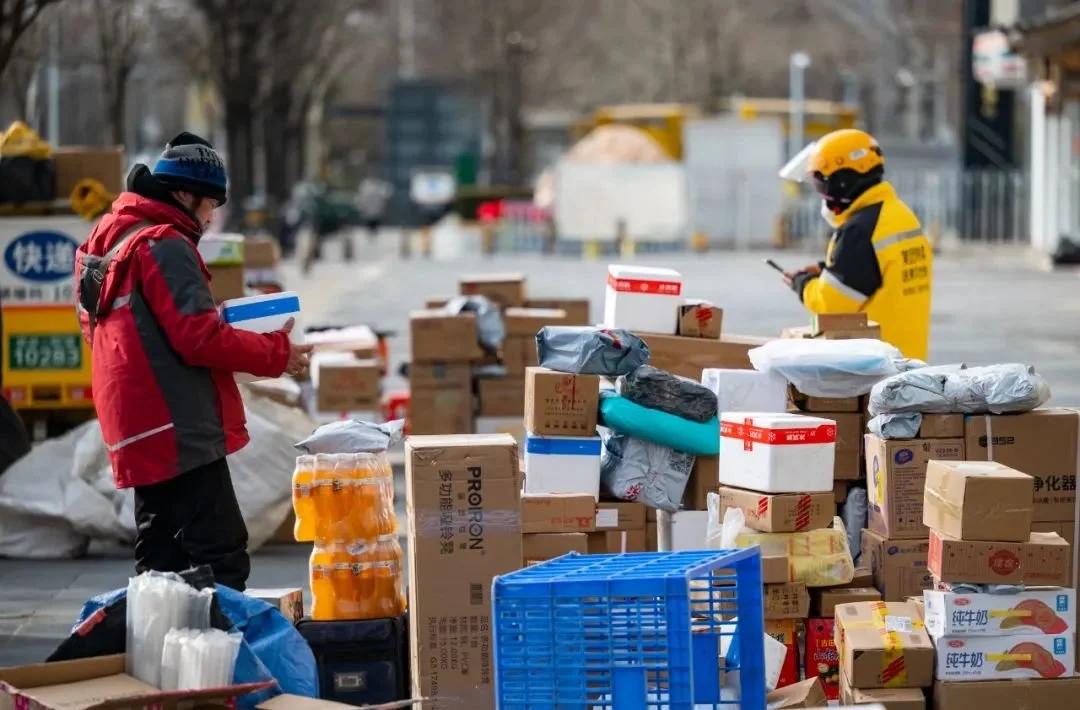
[(845, 186)]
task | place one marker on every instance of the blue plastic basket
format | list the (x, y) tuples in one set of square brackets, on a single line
[(656, 631)]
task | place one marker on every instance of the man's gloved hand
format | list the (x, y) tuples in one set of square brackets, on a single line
[(797, 280)]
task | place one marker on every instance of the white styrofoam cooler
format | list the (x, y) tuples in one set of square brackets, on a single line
[(642, 298), (261, 314), (556, 464), (746, 390), (776, 452)]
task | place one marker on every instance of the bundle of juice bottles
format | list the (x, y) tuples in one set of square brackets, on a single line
[(344, 503)]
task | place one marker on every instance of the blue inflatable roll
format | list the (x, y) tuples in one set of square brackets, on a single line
[(622, 415)]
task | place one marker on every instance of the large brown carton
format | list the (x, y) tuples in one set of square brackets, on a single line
[(1013, 694), (440, 337), (806, 403), (779, 512), (704, 479), (700, 320), (899, 566), (346, 386), (501, 396), (75, 163), (1042, 560), (883, 645), (441, 410), (789, 600), (978, 500), (226, 281), (617, 542), (524, 322), (847, 463), (887, 698), (687, 357), (577, 309), (506, 289), (518, 354), (1042, 444), (942, 426), (446, 375), (824, 600), (558, 513), (463, 530), (539, 547), (895, 478), (560, 404)]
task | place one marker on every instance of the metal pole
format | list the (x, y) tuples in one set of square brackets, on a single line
[(407, 39), (53, 130), (797, 64)]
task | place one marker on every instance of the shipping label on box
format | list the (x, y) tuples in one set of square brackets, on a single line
[(558, 513), (1042, 443), (561, 404), (883, 645), (464, 528), (501, 396), (576, 309), (786, 601), (779, 512), (899, 566), (785, 631), (1001, 657), (825, 599), (1045, 559), (508, 290), (978, 500), (822, 659), (440, 337), (539, 547), (1049, 610), (896, 478), (699, 319)]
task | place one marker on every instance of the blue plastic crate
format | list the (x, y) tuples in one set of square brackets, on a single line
[(631, 632)]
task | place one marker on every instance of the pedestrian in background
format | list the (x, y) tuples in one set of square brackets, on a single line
[(163, 363)]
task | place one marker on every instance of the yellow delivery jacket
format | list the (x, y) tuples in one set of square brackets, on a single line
[(879, 261)]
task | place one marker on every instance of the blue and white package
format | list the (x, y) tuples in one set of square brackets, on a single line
[(562, 464), (261, 314)]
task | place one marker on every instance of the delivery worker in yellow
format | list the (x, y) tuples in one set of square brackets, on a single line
[(878, 260)]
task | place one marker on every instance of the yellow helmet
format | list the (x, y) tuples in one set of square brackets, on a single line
[(844, 164)]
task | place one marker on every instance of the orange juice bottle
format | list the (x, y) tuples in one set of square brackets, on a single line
[(343, 494), (345, 606), (365, 512), (364, 556), (322, 497), (323, 599), (303, 498), (389, 587), (359, 513)]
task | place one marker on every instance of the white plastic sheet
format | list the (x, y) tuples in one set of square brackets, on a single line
[(831, 368)]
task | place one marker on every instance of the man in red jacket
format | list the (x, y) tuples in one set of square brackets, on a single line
[(163, 363)]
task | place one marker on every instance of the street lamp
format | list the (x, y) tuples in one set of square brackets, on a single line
[(797, 65)]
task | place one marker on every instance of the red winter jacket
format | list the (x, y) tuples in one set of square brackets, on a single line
[(163, 360)]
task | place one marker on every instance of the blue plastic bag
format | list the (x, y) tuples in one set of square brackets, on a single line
[(625, 417)]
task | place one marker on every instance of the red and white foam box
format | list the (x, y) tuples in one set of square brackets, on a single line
[(643, 299), (777, 452)]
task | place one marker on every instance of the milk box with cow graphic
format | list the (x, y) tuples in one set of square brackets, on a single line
[(643, 299), (776, 452), (1046, 610), (1035, 655)]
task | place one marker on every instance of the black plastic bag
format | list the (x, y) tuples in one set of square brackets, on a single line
[(659, 389)]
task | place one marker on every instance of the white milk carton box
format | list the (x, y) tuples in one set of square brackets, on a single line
[(1005, 657), (776, 452), (642, 299), (1046, 610), (562, 465)]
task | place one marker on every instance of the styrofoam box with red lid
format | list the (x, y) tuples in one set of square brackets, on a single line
[(776, 452), (642, 298)]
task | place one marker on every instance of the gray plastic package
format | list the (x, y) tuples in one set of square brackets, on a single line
[(658, 389), (641, 471), (585, 350), (895, 426), (491, 331), (855, 512), (995, 389), (353, 436)]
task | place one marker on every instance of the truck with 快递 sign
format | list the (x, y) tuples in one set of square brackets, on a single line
[(46, 364)]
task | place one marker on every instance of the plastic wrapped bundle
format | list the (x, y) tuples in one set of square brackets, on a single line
[(637, 470), (895, 426), (490, 328), (353, 436), (171, 653), (207, 659), (658, 389), (995, 389), (831, 368), (157, 603), (590, 351)]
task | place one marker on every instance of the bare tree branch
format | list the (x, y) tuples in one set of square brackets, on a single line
[(16, 16)]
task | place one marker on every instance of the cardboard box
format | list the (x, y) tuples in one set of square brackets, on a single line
[(840, 491), (805, 403), (785, 632), (518, 353), (1046, 610), (561, 404), (76, 163), (687, 357), (565, 513), (895, 479), (102, 683), (777, 452), (849, 445), (501, 396), (887, 698), (1043, 560), (439, 337), (824, 322), (898, 566), (539, 547), (506, 289), (440, 411), (261, 253), (289, 601), (822, 660), (704, 479), (616, 542), (1066, 529), (577, 309), (524, 322), (1002, 657), (863, 638), (347, 385), (978, 500), (775, 569), (1042, 444), (1018, 694), (226, 281), (360, 340), (809, 693), (447, 375), (613, 515), (699, 319), (823, 600), (864, 577), (871, 332), (942, 426), (652, 538), (789, 600), (779, 512), (463, 530)]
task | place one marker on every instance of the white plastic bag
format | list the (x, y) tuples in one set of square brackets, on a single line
[(831, 368)]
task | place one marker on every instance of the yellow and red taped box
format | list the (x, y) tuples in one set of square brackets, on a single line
[(883, 645)]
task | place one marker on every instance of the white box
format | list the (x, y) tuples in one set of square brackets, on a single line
[(555, 464), (777, 452), (688, 530), (1046, 610), (1005, 657), (746, 390), (642, 299), (261, 314), (222, 249)]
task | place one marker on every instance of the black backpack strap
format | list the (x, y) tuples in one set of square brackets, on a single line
[(96, 268)]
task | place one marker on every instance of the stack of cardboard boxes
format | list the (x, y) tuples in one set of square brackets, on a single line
[(440, 375), (849, 413), (836, 326)]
